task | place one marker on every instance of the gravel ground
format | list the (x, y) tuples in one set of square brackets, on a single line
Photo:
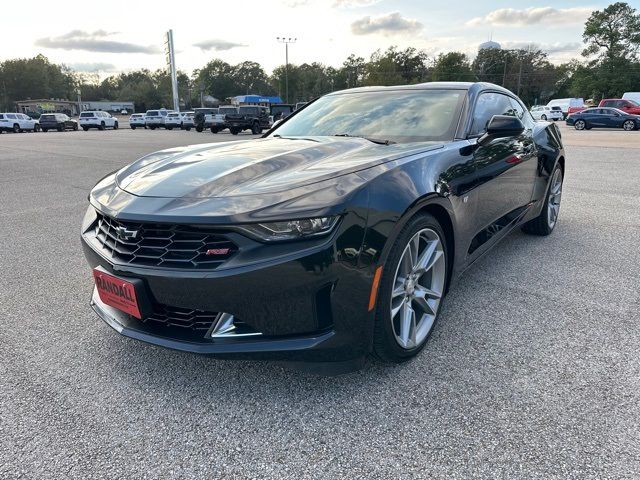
[(532, 372)]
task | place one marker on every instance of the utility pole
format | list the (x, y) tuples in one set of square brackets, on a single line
[(171, 64), (79, 101), (286, 41)]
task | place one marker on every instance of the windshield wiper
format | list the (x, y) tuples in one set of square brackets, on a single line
[(374, 140)]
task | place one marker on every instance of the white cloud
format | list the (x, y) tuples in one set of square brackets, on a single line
[(217, 45), (387, 24), (97, 41), (90, 67), (532, 16)]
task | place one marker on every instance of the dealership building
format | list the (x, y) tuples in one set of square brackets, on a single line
[(261, 100)]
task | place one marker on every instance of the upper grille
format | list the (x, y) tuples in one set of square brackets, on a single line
[(163, 245)]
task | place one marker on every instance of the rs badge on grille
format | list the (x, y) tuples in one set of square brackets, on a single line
[(124, 233)]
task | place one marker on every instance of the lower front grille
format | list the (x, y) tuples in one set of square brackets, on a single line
[(167, 316)]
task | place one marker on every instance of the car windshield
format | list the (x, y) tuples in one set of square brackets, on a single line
[(86, 114), (394, 115), (634, 103)]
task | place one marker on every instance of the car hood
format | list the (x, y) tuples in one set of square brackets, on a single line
[(254, 167)]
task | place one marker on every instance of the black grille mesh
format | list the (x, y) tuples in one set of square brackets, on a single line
[(163, 245)]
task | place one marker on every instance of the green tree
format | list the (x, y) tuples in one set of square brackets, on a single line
[(613, 33), (452, 67)]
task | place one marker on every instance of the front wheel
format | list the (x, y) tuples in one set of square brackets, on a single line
[(234, 131), (544, 223), (75, 127), (629, 125), (115, 126), (132, 127), (543, 117), (45, 130), (580, 125), (86, 129), (255, 128), (199, 128), (414, 280), (16, 128), (101, 127)]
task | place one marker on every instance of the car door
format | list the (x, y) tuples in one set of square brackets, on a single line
[(506, 168)]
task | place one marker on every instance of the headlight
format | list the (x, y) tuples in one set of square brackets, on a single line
[(291, 229)]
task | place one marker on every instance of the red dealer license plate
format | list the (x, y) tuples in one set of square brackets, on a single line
[(117, 293)]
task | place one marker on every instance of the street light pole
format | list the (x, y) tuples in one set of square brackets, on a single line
[(286, 41)]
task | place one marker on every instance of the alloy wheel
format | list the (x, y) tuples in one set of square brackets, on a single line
[(418, 287), (555, 195), (629, 125), (579, 125)]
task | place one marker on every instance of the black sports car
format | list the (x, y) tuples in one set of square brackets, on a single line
[(335, 235), (603, 118)]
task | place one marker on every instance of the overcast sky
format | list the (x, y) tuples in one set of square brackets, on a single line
[(124, 35)]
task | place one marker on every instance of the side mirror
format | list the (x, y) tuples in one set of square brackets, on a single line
[(501, 126)]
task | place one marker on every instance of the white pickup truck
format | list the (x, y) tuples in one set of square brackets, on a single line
[(216, 121)]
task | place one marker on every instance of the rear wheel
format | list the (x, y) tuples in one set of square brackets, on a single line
[(544, 223), (115, 126), (101, 127), (86, 129), (133, 127), (152, 127), (45, 130), (199, 128), (36, 127), (60, 128), (580, 125), (234, 131), (214, 130), (75, 127), (414, 280), (543, 117), (629, 125), (255, 128), (16, 128)]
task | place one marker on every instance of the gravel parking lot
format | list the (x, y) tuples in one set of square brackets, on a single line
[(532, 372)]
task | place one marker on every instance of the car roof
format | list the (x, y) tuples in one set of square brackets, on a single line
[(471, 86)]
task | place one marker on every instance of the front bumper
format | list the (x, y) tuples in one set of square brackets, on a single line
[(310, 305)]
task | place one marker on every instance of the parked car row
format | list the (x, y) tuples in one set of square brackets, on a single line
[(19, 122)]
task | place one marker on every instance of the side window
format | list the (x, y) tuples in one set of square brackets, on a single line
[(522, 114), (488, 105), (11, 116)]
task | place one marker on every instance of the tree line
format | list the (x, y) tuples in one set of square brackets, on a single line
[(609, 67)]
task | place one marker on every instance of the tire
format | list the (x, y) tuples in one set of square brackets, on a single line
[(394, 340), (580, 125), (101, 127), (75, 127), (629, 125), (234, 131), (60, 129), (132, 127), (199, 128), (86, 129), (36, 127), (543, 117), (115, 126), (16, 128), (152, 127), (255, 128), (168, 128), (214, 130), (45, 130), (544, 223), (188, 129)]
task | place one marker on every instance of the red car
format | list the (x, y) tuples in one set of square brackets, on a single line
[(627, 106)]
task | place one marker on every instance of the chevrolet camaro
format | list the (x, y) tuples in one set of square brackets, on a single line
[(334, 236)]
